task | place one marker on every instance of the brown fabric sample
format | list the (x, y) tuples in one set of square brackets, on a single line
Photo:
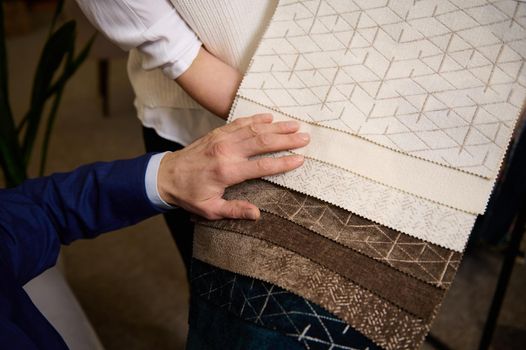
[(423, 260), (384, 323), (415, 296)]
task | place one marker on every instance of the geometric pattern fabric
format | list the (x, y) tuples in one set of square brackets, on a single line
[(405, 98), (401, 290), (428, 262), (415, 216), (443, 80), (389, 326), (270, 306), (383, 166)]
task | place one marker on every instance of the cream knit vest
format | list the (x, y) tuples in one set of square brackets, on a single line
[(229, 29)]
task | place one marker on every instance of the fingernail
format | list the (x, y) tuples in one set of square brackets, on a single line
[(297, 159), (252, 215), (304, 136)]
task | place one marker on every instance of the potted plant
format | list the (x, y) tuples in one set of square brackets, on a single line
[(56, 66)]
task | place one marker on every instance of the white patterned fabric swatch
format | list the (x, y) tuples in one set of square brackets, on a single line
[(423, 179), (410, 105), (442, 80)]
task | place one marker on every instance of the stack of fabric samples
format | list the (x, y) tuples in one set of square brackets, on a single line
[(410, 107)]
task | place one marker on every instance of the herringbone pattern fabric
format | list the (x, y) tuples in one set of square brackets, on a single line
[(428, 262), (410, 294)]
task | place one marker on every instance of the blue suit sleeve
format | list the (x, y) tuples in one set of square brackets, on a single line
[(41, 214)]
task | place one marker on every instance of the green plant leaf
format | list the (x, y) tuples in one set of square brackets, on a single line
[(70, 68), (49, 128), (10, 152), (58, 11), (58, 52), (21, 125), (55, 50)]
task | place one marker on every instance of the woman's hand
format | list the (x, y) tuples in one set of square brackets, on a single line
[(196, 177)]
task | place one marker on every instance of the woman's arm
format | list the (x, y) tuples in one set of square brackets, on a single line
[(155, 28), (211, 82)]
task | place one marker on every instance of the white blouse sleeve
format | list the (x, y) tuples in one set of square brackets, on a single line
[(152, 26)]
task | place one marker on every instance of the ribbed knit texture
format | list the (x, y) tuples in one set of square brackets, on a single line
[(229, 29)]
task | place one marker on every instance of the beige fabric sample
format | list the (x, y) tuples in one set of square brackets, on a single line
[(410, 105), (410, 294), (384, 323), (417, 217), (423, 260), (427, 180), (442, 80)]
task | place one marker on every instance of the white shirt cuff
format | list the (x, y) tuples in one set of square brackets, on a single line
[(170, 45), (150, 182), (174, 70)]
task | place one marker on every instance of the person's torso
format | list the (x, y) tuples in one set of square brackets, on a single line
[(229, 29)]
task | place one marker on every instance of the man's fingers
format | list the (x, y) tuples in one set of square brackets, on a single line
[(237, 209), (267, 166), (266, 143), (256, 129), (245, 121)]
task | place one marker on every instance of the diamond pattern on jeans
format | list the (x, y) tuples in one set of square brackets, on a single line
[(270, 306), (443, 80)]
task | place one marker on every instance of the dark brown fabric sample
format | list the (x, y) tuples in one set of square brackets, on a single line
[(415, 296), (384, 323), (423, 260)]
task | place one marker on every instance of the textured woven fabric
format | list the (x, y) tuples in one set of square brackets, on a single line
[(410, 294), (316, 63), (439, 79), (415, 216), (212, 328), (393, 169), (410, 106), (423, 260), (387, 325), (270, 306)]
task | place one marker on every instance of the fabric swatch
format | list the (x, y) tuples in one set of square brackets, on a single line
[(410, 294), (410, 106), (270, 306), (387, 325), (425, 261), (441, 80), (443, 185), (415, 216), (213, 328)]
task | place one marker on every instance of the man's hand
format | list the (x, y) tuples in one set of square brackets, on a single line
[(196, 177)]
